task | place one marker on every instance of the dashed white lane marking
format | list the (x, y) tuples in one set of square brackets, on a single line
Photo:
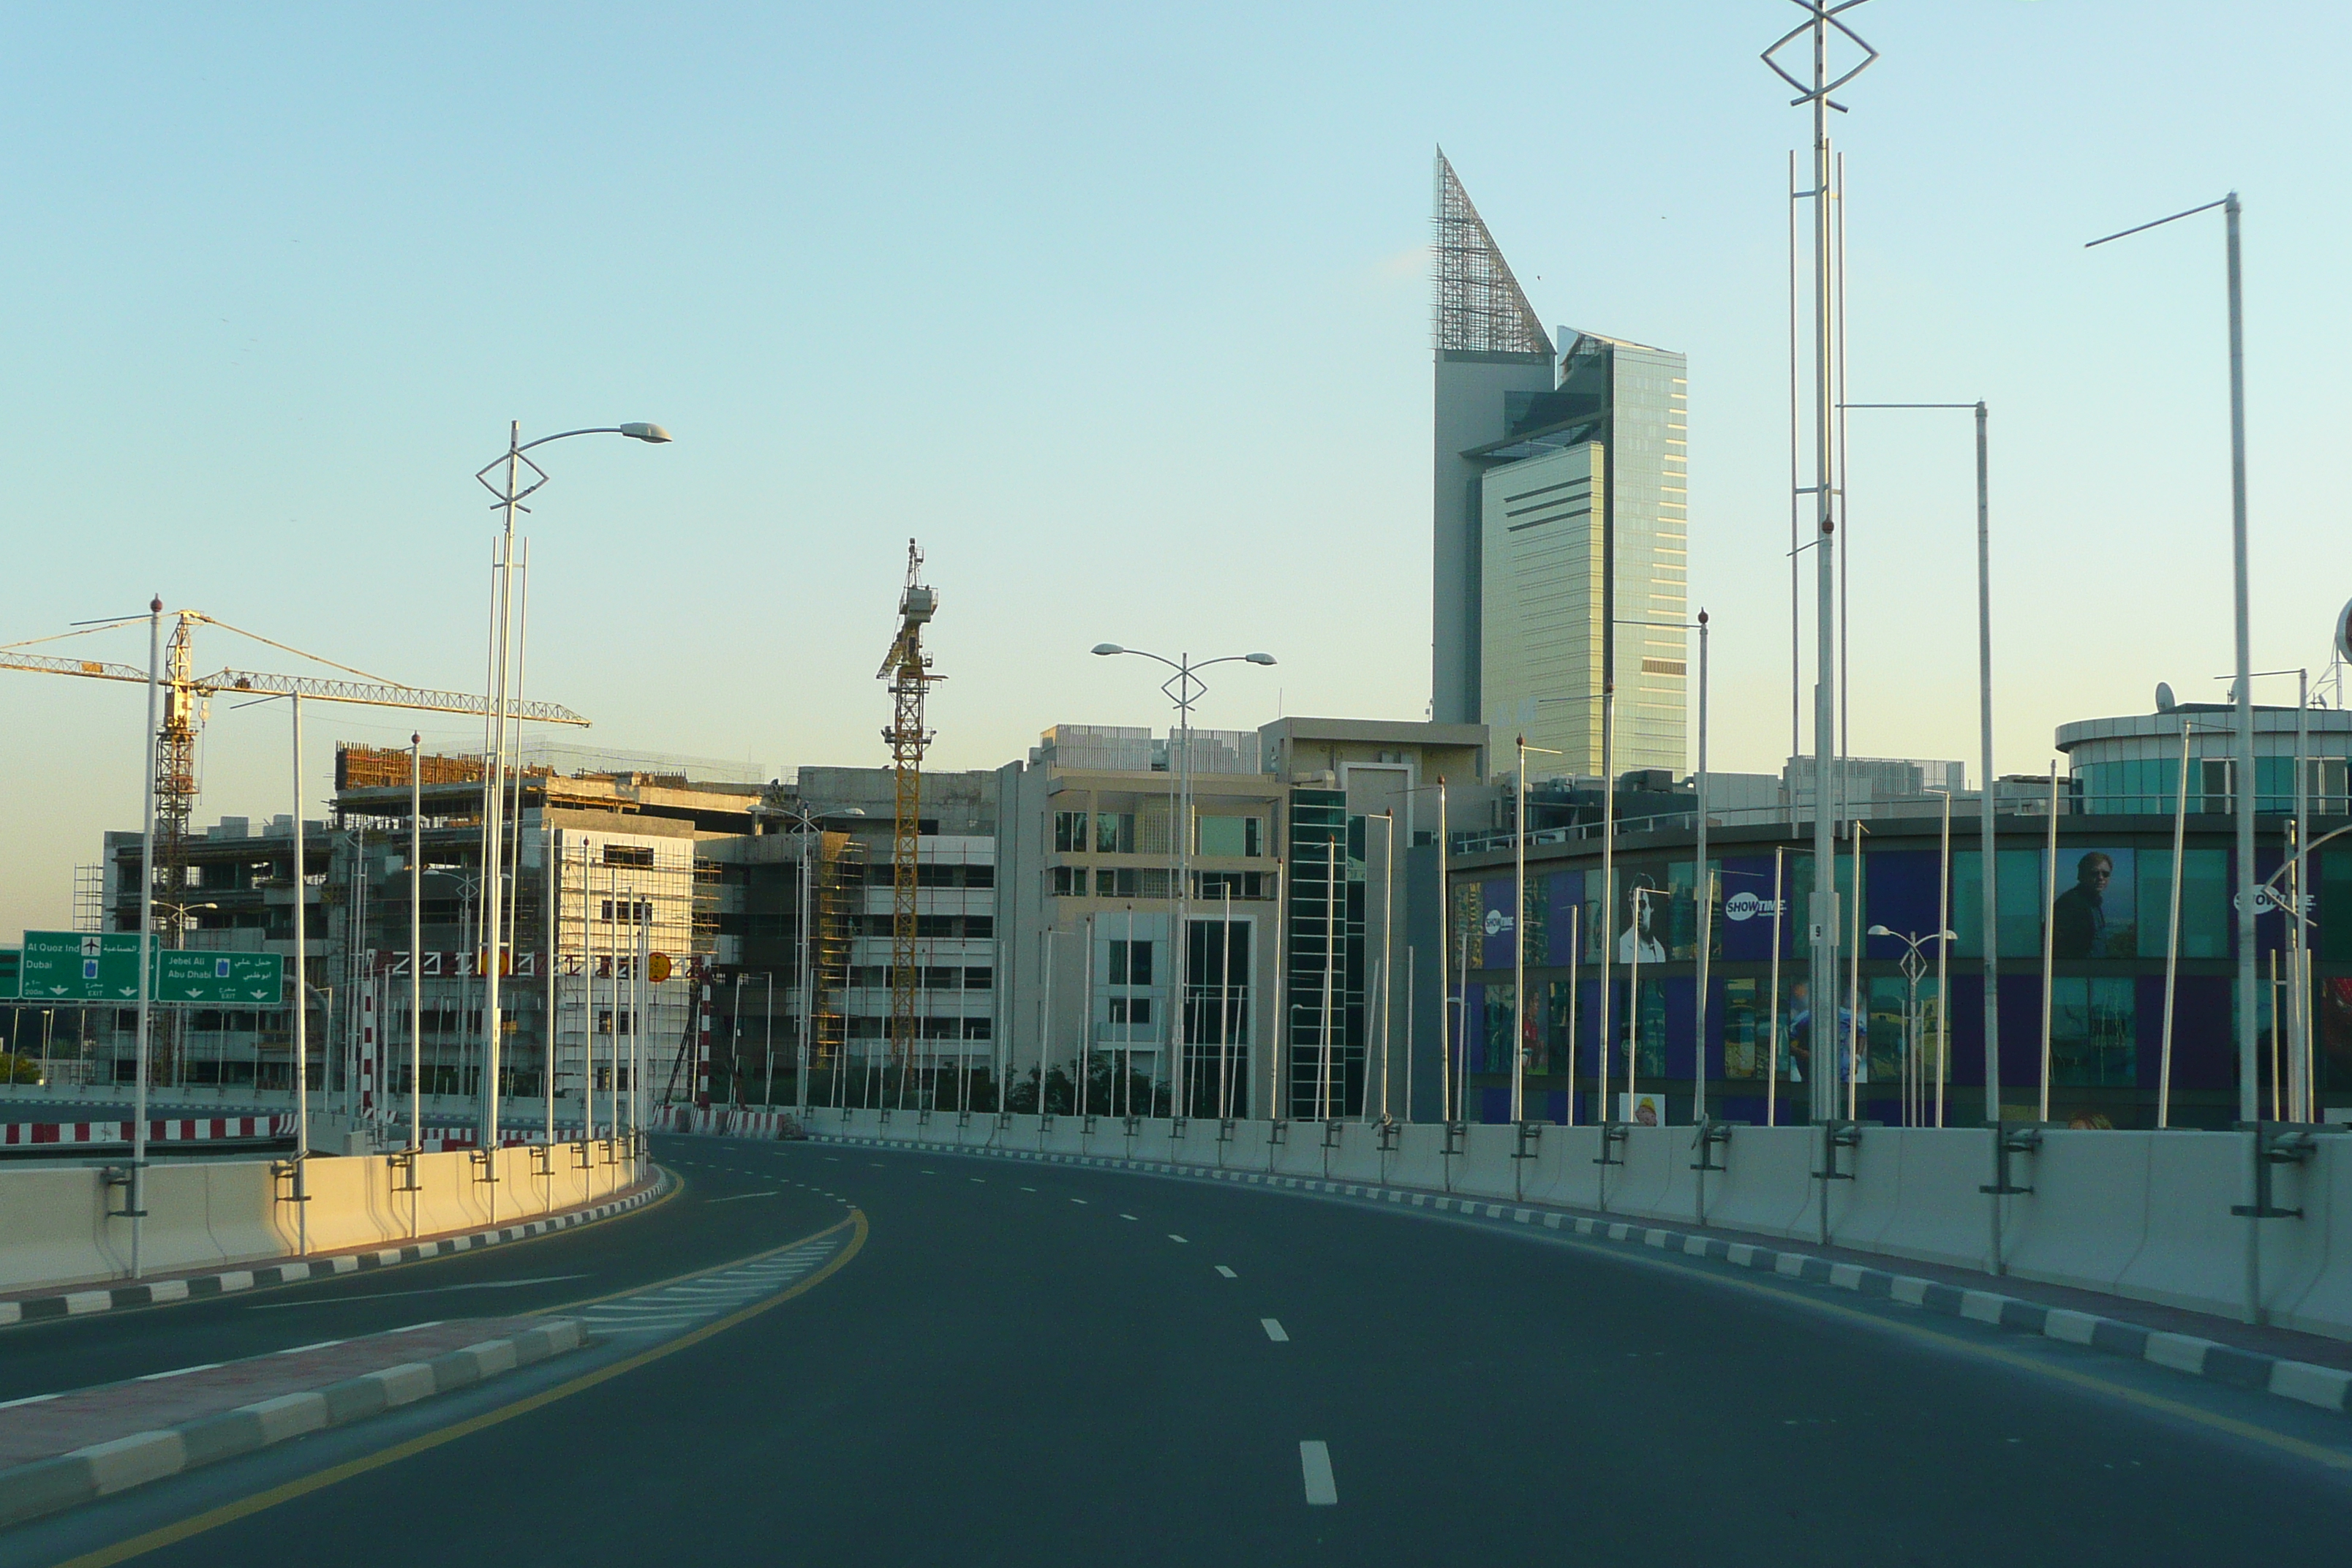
[(1127, 1216), (1077, 1200), (1028, 1189), (1314, 1470), (1178, 1239), (1274, 1330), (1227, 1272), (732, 1197), (982, 1180)]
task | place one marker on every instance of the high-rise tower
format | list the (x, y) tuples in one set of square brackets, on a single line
[(1559, 521)]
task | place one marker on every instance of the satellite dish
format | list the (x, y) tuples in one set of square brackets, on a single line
[(2344, 632), (2165, 701)]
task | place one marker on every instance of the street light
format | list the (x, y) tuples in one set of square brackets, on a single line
[(505, 636), (1183, 689), (1913, 966), (1519, 947), (2249, 1102)]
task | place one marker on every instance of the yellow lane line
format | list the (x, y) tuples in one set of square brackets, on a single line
[(228, 1514)]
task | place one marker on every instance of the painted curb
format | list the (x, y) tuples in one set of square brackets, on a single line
[(117, 1298), (2322, 1387), (46, 1485)]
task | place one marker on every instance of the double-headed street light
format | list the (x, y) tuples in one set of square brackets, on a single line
[(506, 639), (1183, 689), (1913, 966)]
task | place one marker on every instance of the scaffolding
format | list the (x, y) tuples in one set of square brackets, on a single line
[(1480, 307), (839, 892)]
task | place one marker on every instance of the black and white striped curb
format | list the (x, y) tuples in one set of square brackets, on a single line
[(27, 1491), (115, 1298), (2325, 1387)]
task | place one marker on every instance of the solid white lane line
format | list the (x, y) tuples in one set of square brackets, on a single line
[(732, 1197), (1274, 1330), (1314, 1468), (177, 1372), (1227, 1272)]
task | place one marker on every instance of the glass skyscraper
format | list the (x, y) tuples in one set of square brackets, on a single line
[(1559, 527)]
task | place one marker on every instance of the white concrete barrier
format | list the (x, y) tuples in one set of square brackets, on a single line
[(54, 1228), (2143, 1215)]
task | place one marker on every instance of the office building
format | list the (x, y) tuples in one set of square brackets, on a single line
[(1559, 524)]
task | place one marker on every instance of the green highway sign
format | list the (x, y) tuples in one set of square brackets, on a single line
[(248, 977), (80, 966), (12, 965), (86, 966)]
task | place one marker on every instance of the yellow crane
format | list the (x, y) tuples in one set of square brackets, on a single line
[(907, 668), (186, 698)]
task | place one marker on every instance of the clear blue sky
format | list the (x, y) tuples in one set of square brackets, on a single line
[(1125, 314)]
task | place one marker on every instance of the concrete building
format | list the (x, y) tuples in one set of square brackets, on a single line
[(1561, 520), (1278, 992)]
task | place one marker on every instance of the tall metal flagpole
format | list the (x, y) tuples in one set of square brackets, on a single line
[(1822, 19), (1705, 900)]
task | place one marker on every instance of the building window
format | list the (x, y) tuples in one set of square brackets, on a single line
[(1130, 964), (2091, 1040), (1069, 881), (1215, 885), (1069, 832), (977, 1029), (628, 855), (1231, 837), (979, 926), (1115, 832), (1122, 883), (1131, 1011), (979, 979), (939, 979)]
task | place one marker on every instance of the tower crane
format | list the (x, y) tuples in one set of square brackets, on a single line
[(187, 698), (907, 668)]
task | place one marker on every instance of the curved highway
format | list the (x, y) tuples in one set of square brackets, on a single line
[(1001, 1362)]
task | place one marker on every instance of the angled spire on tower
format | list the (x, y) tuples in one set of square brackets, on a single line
[(1478, 305)]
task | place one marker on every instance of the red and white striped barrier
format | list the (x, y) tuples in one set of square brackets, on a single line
[(178, 1129), (719, 1122)]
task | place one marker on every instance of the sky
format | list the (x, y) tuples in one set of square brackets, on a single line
[(1124, 313)]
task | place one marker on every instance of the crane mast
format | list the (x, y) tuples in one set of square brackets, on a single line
[(907, 668), (185, 694)]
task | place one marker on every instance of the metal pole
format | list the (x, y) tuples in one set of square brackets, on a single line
[(553, 880), (2172, 934), (1410, 972), (150, 755), (2249, 1105), (417, 948), (1707, 901), (768, 1095), (2298, 915), (1608, 873), (1575, 953), (2049, 936), (1772, 1029), (1388, 947), (805, 957), (1943, 963), (1985, 803), (1445, 957), (1823, 915), (1225, 1009), (1046, 1011), (301, 1014), (493, 822), (1633, 1009), (1330, 960), (1520, 945), (1853, 1041)]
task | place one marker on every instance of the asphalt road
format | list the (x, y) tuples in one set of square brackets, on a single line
[(1042, 1364)]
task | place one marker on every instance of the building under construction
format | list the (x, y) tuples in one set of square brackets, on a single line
[(734, 882)]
